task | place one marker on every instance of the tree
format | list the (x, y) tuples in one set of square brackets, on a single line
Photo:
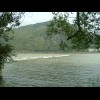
[(81, 41), (97, 41), (81, 33), (8, 20), (60, 25)]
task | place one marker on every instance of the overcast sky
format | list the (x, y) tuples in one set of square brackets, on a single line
[(36, 17)]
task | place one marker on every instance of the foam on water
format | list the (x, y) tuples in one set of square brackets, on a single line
[(44, 57)]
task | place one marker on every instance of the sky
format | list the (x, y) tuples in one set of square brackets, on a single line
[(37, 17)]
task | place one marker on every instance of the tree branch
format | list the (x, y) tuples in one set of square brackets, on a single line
[(70, 37), (78, 24)]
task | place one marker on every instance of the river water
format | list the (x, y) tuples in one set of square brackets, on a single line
[(76, 70)]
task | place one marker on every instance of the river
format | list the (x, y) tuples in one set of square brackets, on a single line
[(76, 70)]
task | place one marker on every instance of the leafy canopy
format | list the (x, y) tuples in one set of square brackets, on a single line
[(8, 20), (82, 32)]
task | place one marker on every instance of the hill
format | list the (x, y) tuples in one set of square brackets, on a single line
[(33, 38)]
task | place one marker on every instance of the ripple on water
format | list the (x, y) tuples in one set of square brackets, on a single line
[(78, 70)]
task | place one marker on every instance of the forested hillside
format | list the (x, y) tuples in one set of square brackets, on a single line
[(33, 38)]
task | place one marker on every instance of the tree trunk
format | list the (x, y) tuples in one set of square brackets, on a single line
[(78, 25)]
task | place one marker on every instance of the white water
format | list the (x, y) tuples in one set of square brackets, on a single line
[(37, 57)]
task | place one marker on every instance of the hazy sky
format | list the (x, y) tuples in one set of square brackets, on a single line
[(36, 17)]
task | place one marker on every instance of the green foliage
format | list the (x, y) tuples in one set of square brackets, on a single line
[(82, 41), (97, 41), (5, 52), (8, 20), (81, 33), (59, 25)]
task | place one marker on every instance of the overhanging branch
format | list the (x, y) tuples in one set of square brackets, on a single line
[(78, 24)]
